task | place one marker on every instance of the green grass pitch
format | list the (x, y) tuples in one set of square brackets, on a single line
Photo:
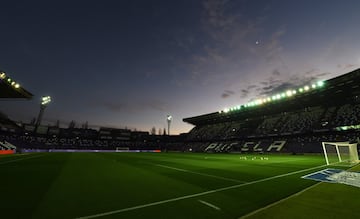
[(169, 185)]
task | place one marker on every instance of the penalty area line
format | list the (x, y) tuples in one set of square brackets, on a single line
[(210, 205), (197, 194)]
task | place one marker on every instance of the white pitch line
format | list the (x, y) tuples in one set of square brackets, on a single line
[(17, 155), (25, 158), (210, 205), (196, 194), (278, 202), (201, 174), (22, 154)]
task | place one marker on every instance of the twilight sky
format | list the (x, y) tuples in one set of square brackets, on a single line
[(132, 62)]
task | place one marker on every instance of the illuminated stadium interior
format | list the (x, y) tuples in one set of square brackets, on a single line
[(250, 161)]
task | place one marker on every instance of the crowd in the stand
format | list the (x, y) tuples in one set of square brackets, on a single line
[(347, 115), (301, 129), (305, 120), (51, 142)]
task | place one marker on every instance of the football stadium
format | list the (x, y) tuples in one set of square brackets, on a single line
[(293, 154)]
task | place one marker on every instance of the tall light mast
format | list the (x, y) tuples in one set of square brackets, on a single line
[(45, 100), (168, 119)]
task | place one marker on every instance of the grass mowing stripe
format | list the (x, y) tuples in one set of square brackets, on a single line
[(278, 202), (289, 197), (201, 174), (197, 194), (25, 158), (210, 205)]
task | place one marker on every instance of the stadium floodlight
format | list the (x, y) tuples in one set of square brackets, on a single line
[(2, 75), (320, 83), (168, 119), (45, 100), (301, 90), (17, 85), (306, 88), (313, 86), (289, 93)]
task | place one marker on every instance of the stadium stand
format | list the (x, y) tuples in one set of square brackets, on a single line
[(328, 111), (9, 88), (323, 111), (7, 124)]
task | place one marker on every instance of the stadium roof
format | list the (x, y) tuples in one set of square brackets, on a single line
[(341, 89), (9, 88)]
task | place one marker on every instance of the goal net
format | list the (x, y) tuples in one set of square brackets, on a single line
[(122, 149), (340, 153)]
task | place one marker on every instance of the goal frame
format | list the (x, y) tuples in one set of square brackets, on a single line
[(353, 151)]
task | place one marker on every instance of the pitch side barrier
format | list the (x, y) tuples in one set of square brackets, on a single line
[(7, 152), (87, 151)]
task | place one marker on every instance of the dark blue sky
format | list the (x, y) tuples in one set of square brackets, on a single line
[(130, 63)]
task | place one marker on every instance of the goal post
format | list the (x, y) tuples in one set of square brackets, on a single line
[(340, 152)]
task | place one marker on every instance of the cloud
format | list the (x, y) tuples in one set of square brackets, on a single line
[(224, 49), (273, 48), (227, 93), (228, 43), (319, 75), (155, 105), (244, 93), (115, 106), (251, 87), (349, 66), (219, 44), (312, 71), (216, 15), (346, 66), (273, 85), (276, 72)]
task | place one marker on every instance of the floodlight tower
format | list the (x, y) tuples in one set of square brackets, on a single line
[(45, 100), (168, 119)]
